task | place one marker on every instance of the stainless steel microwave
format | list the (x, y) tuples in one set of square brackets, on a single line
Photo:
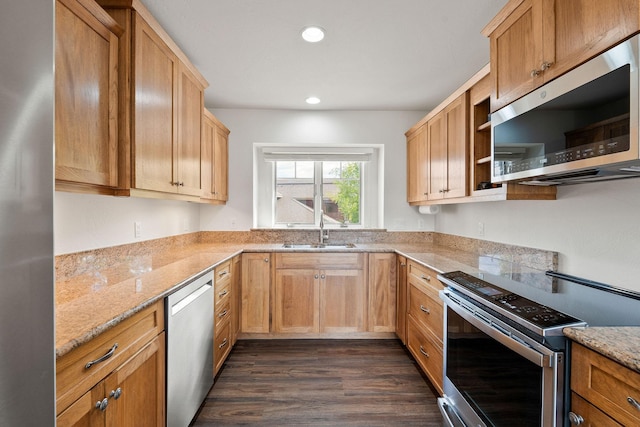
[(580, 127)]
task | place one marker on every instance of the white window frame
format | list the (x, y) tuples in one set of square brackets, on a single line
[(372, 176)]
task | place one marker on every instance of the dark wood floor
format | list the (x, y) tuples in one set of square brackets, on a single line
[(320, 383)]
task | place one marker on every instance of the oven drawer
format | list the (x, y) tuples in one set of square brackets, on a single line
[(424, 277), (590, 415), (426, 351), (605, 384), (425, 310)]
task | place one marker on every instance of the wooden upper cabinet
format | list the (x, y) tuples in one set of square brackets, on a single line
[(215, 158), (154, 94), (187, 162), (86, 98), (535, 41), (161, 102), (448, 147), (417, 166)]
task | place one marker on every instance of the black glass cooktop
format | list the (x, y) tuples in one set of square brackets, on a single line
[(541, 316)]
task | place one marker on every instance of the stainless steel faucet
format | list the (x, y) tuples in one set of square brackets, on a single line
[(324, 235)]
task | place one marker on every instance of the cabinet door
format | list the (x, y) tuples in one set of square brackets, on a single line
[(417, 166), (220, 165), (401, 305), (382, 292), (256, 282), (437, 137), (189, 109), (342, 301), (577, 30), (153, 122), (457, 142), (136, 389), (296, 301), (86, 97), (516, 51), (85, 412), (591, 416)]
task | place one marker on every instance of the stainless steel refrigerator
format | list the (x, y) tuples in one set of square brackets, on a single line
[(27, 361)]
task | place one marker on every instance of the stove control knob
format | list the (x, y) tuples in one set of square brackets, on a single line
[(575, 419)]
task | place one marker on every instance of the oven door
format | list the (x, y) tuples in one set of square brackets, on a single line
[(494, 375)]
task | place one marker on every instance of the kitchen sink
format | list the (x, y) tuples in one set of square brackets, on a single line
[(318, 245)]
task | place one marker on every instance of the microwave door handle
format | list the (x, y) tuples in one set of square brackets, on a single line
[(541, 360)]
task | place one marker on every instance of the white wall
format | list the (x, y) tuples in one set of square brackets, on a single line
[(84, 222), (595, 227), (285, 126)]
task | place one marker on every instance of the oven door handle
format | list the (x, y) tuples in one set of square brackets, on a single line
[(497, 332)]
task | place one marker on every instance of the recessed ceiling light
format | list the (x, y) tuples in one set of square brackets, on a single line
[(313, 100), (312, 34)]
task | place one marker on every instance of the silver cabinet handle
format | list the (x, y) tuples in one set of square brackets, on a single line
[(427, 278), (575, 419), (116, 393), (633, 402), (223, 293), (423, 351), (221, 315), (107, 355), (223, 273), (224, 342), (102, 404), (425, 309), (402, 264)]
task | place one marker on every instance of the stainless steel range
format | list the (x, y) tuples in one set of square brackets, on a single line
[(506, 359)]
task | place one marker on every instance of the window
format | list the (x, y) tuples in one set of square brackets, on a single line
[(295, 185), (304, 190)]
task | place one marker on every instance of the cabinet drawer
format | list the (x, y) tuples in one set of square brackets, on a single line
[(428, 354), (420, 275), (606, 384), (335, 260), (222, 313), (74, 378), (222, 292), (591, 415), (222, 273), (221, 345), (425, 310)]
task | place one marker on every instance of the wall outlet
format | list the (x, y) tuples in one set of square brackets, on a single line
[(137, 229), (480, 228)]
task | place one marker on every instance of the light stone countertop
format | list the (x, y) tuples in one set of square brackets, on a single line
[(101, 292), (620, 343)]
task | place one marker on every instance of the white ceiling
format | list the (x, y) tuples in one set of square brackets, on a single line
[(377, 54)]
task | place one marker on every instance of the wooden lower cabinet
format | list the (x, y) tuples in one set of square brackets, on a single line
[(604, 392), (255, 292), (125, 389), (320, 293), (224, 297), (425, 320), (236, 284), (382, 292)]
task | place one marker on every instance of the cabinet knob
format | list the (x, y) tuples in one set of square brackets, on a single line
[(116, 393), (266, 260), (575, 419), (535, 73), (545, 66), (102, 404), (322, 276), (315, 276)]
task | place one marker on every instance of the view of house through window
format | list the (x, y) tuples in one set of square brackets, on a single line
[(305, 188)]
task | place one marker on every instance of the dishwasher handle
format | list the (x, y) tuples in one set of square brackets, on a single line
[(184, 302)]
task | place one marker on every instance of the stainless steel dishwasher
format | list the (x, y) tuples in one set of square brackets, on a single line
[(189, 313)]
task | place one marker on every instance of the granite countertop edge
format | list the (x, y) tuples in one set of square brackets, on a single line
[(619, 343)]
